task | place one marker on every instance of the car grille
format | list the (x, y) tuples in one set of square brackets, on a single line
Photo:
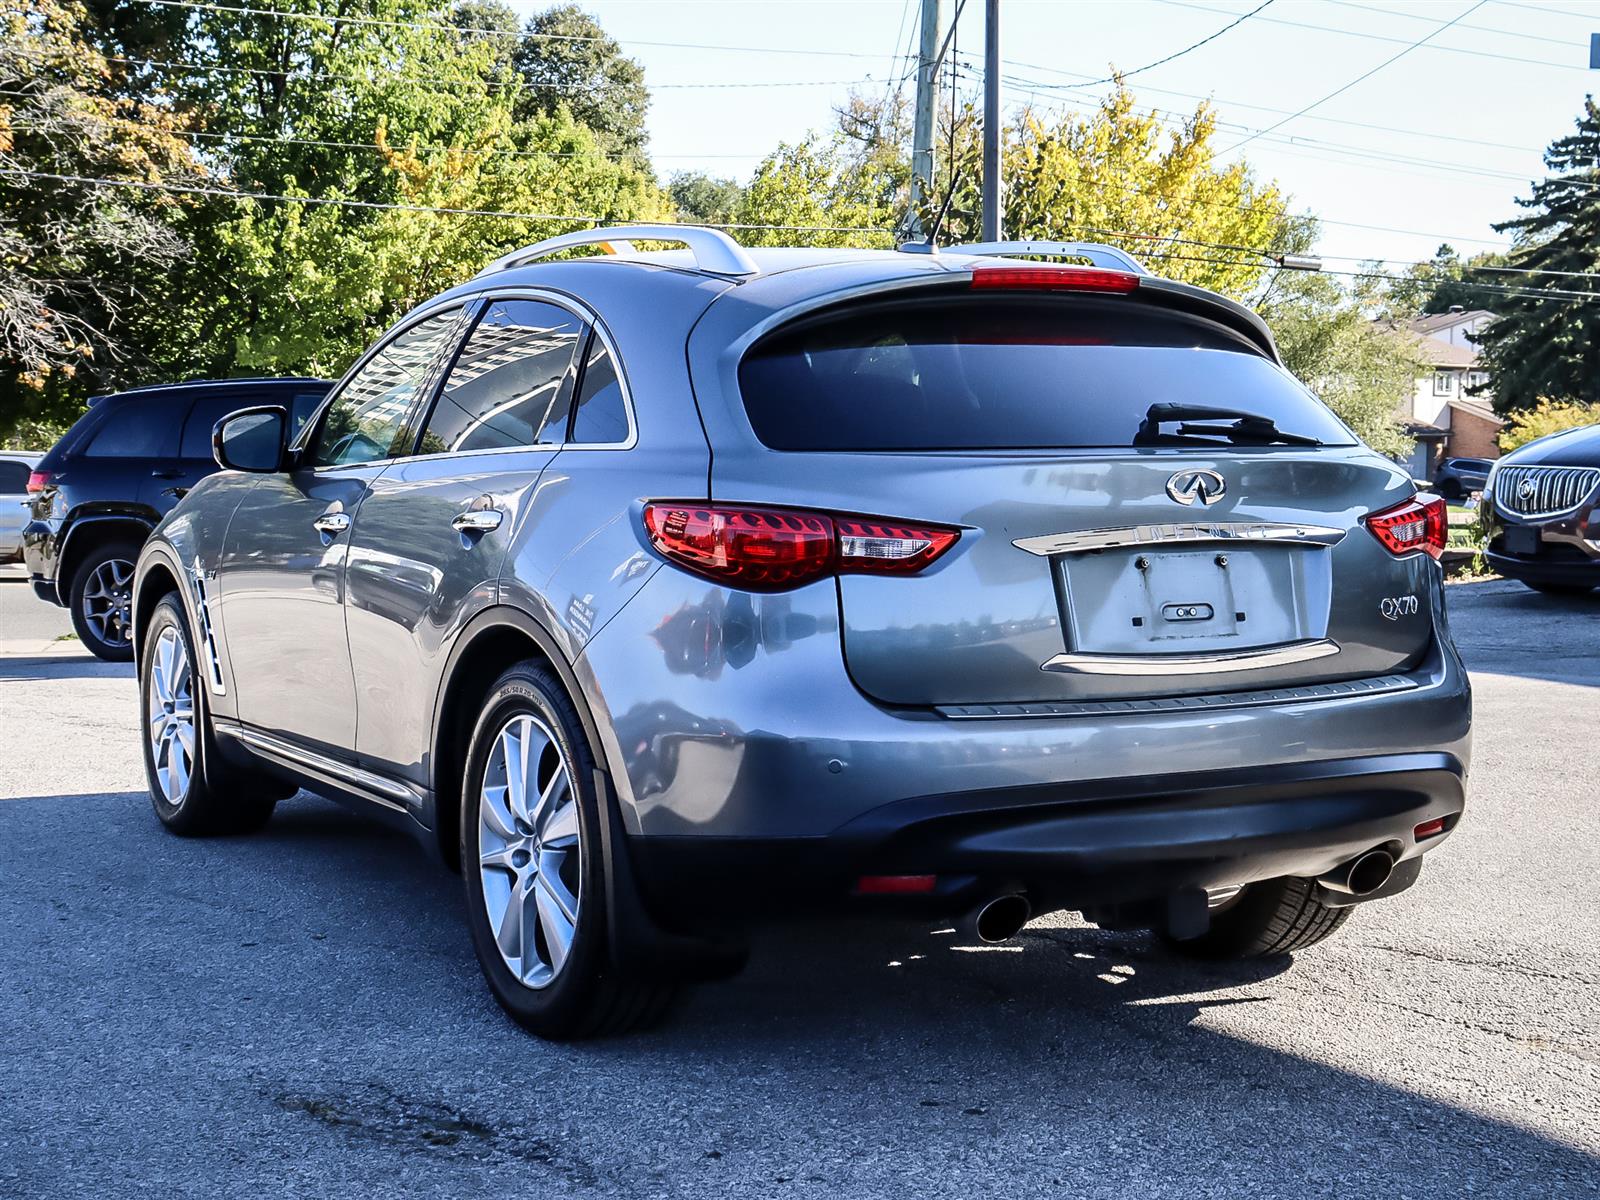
[(1543, 491)]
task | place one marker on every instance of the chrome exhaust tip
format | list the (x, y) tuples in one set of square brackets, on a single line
[(1362, 875), (998, 920)]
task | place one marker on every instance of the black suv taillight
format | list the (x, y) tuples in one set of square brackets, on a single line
[(771, 549), (39, 480)]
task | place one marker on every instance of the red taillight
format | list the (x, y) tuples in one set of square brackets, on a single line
[(1420, 523), (1056, 279), (39, 480), (770, 549), (1429, 829), (895, 885)]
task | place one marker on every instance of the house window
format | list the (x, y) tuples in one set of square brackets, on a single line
[(1477, 378), (1443, 383)]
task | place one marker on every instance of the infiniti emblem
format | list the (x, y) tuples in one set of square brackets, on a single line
[(1188, 486)]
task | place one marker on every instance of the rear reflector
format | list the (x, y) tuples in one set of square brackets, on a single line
[(1055, 279), (895, 885), (1428, 829), (1420, 523), (39, 480), (771, 549)]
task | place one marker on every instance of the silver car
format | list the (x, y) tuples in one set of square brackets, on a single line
[(662, 592), (16, 470)]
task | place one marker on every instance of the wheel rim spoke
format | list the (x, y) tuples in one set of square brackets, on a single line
[(170, 701), (530, 845)]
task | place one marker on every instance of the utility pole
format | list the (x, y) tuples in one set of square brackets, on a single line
[(927, 102), (992, 118)]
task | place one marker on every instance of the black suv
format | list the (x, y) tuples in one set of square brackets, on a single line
[(1542, 508), (117, 471)]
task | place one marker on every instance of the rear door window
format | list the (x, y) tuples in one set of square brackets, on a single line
[(1018, 374), (13, 477), (207, 411), (144, 427), (511, 385)]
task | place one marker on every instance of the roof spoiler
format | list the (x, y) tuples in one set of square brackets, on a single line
[(1097, 253)]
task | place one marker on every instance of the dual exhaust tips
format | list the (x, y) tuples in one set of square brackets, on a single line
[(1001, 918)]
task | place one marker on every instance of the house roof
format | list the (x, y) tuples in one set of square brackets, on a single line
[(1442, 354), (1434, 322), (1479, 409)]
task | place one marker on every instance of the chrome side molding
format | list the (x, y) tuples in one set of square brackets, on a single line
[(375, 787), (1085, 540), (1213, 663)]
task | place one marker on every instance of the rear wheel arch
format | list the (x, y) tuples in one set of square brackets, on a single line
[(491, 642), (86, 533)]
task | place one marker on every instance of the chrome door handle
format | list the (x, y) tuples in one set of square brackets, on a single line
[(331, 524), (478, 520)]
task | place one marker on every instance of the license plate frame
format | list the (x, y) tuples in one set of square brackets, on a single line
[(1521, 540)]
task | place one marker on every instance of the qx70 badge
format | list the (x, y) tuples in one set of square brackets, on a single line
[(1188, 486)]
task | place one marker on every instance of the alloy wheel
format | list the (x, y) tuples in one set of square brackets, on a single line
[(171, 712), (108, 602), (530, 850)]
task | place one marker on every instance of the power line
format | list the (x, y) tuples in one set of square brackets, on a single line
[(1161, 62), (187, 189), (1394, 12), (1365, 75), (442, 80), (1379, 37), (373, 146)]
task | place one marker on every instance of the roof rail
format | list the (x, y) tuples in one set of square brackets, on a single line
[(714, 251), (1108, 257)]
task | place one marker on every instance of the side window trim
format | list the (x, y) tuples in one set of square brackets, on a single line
[(313, 427)]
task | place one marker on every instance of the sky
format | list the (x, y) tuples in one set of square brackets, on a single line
[(1430, 148)]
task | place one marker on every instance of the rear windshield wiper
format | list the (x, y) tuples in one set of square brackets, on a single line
[(1241, 426)]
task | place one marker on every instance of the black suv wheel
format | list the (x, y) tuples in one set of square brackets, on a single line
[(101, 601)]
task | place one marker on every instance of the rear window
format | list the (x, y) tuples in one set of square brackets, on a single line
[(1019, 374)]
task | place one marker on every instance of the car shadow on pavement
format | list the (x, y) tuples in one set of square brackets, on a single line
[(1070, 1061), (1503, 628)]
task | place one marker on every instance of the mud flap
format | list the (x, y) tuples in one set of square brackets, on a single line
[(640, 947)]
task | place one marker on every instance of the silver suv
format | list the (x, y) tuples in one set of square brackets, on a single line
[(658, 592)]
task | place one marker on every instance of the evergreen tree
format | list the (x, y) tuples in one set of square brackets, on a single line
[(1547, 344)]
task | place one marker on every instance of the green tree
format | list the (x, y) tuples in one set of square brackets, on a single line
[(565, 57), (413, 113), (74, 256), (1543, 418), (1363, 369), (1546, 344), (705, 199), (1448, 281)]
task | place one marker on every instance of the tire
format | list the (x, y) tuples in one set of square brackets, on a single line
[(1278, 916), (101, 601), (194, 791), (534, 871), (1451, 489)]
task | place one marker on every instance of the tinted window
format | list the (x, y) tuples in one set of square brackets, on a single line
[(142, 428), (367, 420), (600, 417), (301, 409), (511, 384), (1013, 374), (13, 477), (207, 411)]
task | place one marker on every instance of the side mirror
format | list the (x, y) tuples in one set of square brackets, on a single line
[(251, 439)]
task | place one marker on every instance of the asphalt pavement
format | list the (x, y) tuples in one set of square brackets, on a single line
[(299, 1013)]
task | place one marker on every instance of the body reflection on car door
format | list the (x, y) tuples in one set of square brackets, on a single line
[(282, 578), (434, 531)]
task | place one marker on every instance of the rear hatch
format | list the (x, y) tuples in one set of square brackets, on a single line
[(1106, 552)]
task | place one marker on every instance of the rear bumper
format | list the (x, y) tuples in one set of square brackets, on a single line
[(1079, 846)]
